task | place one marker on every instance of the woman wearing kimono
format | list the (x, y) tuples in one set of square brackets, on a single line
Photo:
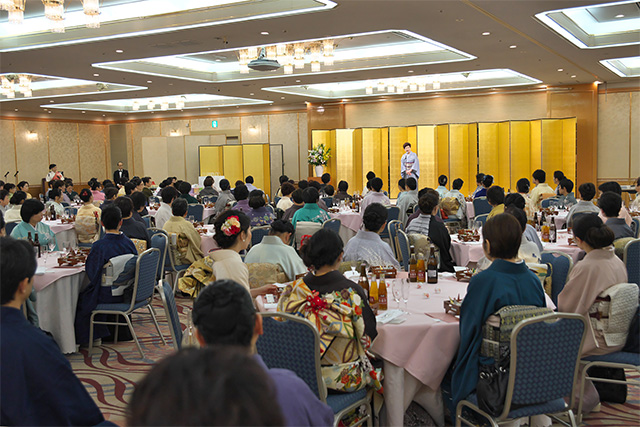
[(32, 211)]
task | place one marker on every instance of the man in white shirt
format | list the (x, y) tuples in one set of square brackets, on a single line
[(168, 194), (410, 166), (542, 190)]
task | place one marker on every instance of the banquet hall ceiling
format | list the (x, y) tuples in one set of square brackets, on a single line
[(539, 53)]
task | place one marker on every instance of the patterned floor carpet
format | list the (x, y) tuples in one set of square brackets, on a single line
[(113, 370)]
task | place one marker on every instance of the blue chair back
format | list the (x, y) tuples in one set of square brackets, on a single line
[(258, 233), (147, 220), (9, 226), (171, 310), (481, 206), (197, 211), (64, 204), (154, 199), (167, 257), (328, 201), (405, 249), (292, 344), (393, 213), (552, 201), (146, 268), (70, 210), (482, 218), (393, 227), (632, 261), (561, 265), (160, 242), (332, 224), (276, 200), (635, 226)]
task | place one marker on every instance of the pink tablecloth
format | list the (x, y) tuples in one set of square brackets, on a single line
[(350, 224), (208, 244), (470, 210), (206, 213), (57, 226), (464, 253), (562, 245), (51, 272)]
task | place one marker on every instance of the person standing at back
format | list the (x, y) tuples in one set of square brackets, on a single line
[(120, 175), (542, 190), (410, 165)]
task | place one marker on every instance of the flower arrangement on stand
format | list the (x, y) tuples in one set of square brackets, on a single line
[(318, 157)]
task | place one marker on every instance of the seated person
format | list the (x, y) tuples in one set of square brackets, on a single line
[(31, 212), (15, 203), (276, 249), (282, 180), (24, 186), (226, 302), (375, 195), (185, 189), (326, 179), (367, 244), (147, 183), (587, 192), (522, 187), (39, 386), (435, 230), (557, 177), (542, 190), (70, 192), (111, 245), (208, 189), (298, 203), (321, 203), (635, 205), (409, 198), (248, 182), (479, 186), (529, 252), (55, 199), (615, 188), (487, 181), (530, 234), (9, 188), (139, 206), (285, 201), (87, 219), (130, 227), (310, 212), (610, 204), (442, 185), (4, 201), (218, 386), (224, 197), (402, 188), (187, 250), (241, 194), (329, 191), (96, 190), (565, 189), (342, 194), (506, 282), (259, 213), (370, 175), (455, 193), (168, 195), (110, 194), (495, 197)]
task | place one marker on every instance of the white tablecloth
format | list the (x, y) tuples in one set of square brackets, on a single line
[(205, 214), (470, 210), (464, 253), (65, 233)]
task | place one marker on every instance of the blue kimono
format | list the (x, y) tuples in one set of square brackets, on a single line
[(38, 385), (45, 235), (504, 283), (111, 245)]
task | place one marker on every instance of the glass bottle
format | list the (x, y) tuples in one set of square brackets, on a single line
[(382, 293), (421, 268), (363, 281), (373, 291), (413, 269), (553, 232), (432, 267)]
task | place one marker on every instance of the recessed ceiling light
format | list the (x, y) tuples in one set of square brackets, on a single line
[(251, 93), (96, 75), (49, 112), (84, 112), (486, 33), (560, 69), (265, 33), (297, 81), (410, 71), (52, 101), (119, 51), (16, 109), (573, 76), (620, 16), (149, 81), (282, 97), (513, 46), (103, 115)]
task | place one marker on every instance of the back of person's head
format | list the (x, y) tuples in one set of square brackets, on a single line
[(111, 217), (518, 214), (343, 186), (375, 215), (178, 185), (428, 201), (370, 175), (5, 193), (239, 182), (241, 192), (179, 207), (139, 200), (412, 184), (590, 229), (55, 192), (85, 195), (325, 178), (376, 184), (487, 181), (214, 386), (224, 314), (125, 204), (514, 199), (610, 186), (504, 234), (495, 195), (523, 185), (280, 226), (19, 197), (168, 194), (57, 184), (224, 184), (479, 178), (29, 208), (442, 180), (559, 175), (256, 199), (283, 179), (249, 179), (402, 183), (287, 188), (424, 191), (457, 184), (369, 185), (17, 262), (610, 203), (136, 181), (310, 195), (567, 184), (329, 190), (129, 187), (323, 248), (316, 185), (110, 193), (208, 181), (228, 227), (185, 187), (587, 191), (163, 184), (9, 186), (302, 184), (539, 175), (297, 196), (107, 183)]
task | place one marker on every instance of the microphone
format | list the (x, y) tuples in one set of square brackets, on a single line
[(5, 175), (16, 174)]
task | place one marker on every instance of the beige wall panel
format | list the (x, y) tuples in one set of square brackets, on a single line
[(448, 110), (191, 144), (217, 139), (33, 154), (254, 129), (177, 125), (613, 135), (198, 125), (93, 152), (154, 153), (130, 147), (303, 138), (635, 135), (63, 148), (176, 157), (7, 149), (284, 131), (139, 131)]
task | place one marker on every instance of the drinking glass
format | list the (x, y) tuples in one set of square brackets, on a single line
[(191, 219), (397, 291), (406, 288)]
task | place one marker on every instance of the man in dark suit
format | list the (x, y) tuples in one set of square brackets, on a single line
[(120, 176)]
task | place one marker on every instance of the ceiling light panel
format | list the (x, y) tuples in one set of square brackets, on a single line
[(162, 103), (421, 83), (352, 52), (624, 67), (124, 19), (43, 86), (596, 26)]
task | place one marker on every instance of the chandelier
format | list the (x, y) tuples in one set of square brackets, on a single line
[(165, 104), (54, 12), (291, 56), (10, 84)]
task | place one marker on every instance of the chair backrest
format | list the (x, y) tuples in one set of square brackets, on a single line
[(145, 278), (294, 344), (635, 226), (70, 210), (171, 310), (147, 220), (482, 218), (257, 233), (328, 201), (561, 265), (632, 261), (209, 199), (304, 228), (332, 224), (160, 241), (393, 213), (393, 227), (9, 226), (197, 211), (481, 206), (552, 201), (276, 200), (168, 263), (154, 199), (405, 249), (545, 355)]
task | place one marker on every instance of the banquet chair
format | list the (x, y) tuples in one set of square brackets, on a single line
[(482, 218), (294, 344), (304, 228), (160, 241), (143, 285), (551, 201), (481, 206), (149, 221), (545, 354), (561, 265), (171, 311), (276, 199), (332, 224), (9, 226), (169, 262), (404, 248), (196, 211), (328, 201), (257, 233), (393, 213), (393, 227), (70, 210), (635, 226), (631, 260)]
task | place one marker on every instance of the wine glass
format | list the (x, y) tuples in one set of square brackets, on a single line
[(397, 291), (406, 288), (51, 244)]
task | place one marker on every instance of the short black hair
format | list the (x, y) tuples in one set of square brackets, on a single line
[(487, 181), (17, 262), (428, 201), (107, 183), (249, 179), (110, 193), (518, 214), (302, 184), (504, 234), (590, 229), (21, 184), (58, 184), (329, 190), (479, 178), (610, 186), (85, 195), (52, 165), (281, 226), (185, 187), (129, 187), (287, 188), (139, 200), (297, 197), (376, 184), (323, 248), (375, 215), (168, 193), (94, 184), (442, 180), (111, 216), (325, 178), (495, 195), (146, 179), (371, 174), (256, 199), (402, 183), (343, 186), (515, 199), (223, 240), (412, 184), (539, 175), (224, 184), (283, 179), (241, 192), (208, 181), (224, 314), (17, 198), (523, 185), (179, 207), (316, 185), (310, 195), (567, 184), (406, 144), (30, 208), (125, 204), (457, 184), (9, 186), (610, 203), (4, 193), (559, 175), (587, 191)]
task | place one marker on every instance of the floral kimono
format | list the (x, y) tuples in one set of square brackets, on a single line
[(198, 275), (338, 319)]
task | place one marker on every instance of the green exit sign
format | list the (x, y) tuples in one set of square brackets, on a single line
[(214, 123)]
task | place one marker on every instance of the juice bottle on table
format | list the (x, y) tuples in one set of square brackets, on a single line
[(413, 269), (421, 269), (545, 233), (373, 291), (382, 294)]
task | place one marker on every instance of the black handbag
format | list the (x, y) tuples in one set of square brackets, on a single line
[(492, 383)]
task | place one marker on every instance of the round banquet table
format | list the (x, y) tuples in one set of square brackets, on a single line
[(65, 233), (208, 244), (205, 214), (350, 224)]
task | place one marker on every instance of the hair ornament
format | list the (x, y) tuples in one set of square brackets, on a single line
[(231, 226)]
